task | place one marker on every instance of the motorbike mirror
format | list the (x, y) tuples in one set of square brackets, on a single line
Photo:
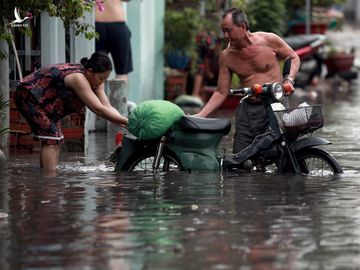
[(287, 67)]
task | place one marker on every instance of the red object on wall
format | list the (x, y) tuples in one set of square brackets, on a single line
[(315, 28), (118, 138), (175, 85)]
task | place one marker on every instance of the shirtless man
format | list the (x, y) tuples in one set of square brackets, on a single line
[(254, 57), (114, 36)]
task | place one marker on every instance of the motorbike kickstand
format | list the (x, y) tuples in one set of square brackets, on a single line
[(158, 153)]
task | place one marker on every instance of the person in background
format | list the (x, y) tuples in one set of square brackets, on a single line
[(55, 91), (114, 36), (209, 49), (255, 58)]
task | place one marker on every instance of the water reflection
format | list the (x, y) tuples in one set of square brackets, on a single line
[(103, 220), (89, 217)]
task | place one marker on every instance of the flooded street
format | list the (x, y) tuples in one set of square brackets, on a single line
[(89, 217)]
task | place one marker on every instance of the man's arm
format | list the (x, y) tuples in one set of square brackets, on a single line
[(219, 96), (285, 51)]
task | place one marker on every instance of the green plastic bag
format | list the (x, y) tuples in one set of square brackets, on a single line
[(153, 118)]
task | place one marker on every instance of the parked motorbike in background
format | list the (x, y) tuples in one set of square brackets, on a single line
[(311, 49), (192, 143)]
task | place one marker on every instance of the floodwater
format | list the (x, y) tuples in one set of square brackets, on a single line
[(89, 217)]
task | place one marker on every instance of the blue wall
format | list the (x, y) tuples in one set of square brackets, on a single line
[(145, 20)]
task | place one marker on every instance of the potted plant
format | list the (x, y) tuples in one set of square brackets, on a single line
[(267, 16), (320, 16), (339, 60), (181, 28), (182, 25)]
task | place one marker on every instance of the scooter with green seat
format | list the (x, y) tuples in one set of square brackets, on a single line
[(192, 143)]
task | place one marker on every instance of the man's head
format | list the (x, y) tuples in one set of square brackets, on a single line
[(235, 26), (238, 16)]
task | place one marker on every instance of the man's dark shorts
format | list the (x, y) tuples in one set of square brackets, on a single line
[(250, 121), (114, 37)]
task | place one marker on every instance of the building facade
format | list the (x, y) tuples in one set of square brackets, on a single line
[(52, 43)]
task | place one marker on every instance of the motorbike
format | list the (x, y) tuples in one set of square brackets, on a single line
[(311, 50), (191, 144)]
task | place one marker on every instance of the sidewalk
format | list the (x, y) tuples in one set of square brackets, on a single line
[(335, 87)]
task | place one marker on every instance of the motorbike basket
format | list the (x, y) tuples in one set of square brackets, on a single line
[(300, 120)]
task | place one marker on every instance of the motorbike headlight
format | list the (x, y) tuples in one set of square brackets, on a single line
[(277, 91)]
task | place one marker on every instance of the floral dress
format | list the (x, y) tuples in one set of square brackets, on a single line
[(43, 99)]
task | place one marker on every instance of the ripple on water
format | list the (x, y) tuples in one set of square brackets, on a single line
[(85, 167), (89, 217)]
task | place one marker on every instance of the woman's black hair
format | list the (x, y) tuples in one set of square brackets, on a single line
[(98, 62)]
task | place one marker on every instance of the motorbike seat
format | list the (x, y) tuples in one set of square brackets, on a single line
[(210, 125), (300, 41)]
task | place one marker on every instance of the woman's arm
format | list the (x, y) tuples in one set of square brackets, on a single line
[(100, 106), (100, 93)]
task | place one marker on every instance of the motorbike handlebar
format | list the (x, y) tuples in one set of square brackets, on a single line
[(288, 89), (258, 89), (243, 91)]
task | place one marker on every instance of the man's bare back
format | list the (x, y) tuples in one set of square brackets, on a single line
[(113, 12)]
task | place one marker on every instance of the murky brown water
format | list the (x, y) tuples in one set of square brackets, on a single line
[(88, 217)]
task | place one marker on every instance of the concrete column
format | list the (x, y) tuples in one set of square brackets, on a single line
[(28, 53), (117, 92), (159, 77), (357, 11), (352, 10), (4, 93), (52, 40), (81, 47)]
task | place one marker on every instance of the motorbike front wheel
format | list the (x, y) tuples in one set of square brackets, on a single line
[(317, 162), (144, 163)]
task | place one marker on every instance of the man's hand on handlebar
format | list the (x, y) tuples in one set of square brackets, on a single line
[(288, 87)]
